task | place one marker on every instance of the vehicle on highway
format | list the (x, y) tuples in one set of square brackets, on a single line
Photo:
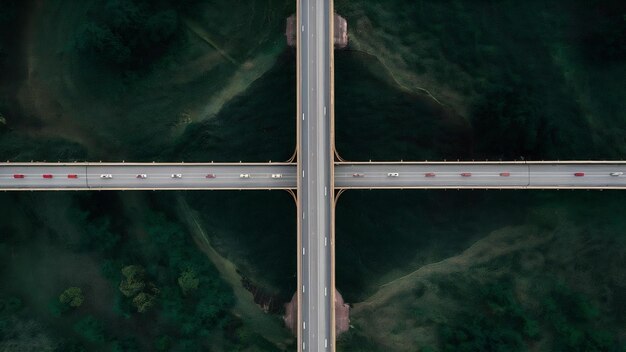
[(393, 174), (505, 174), (358, 175), (18, 176), (429, 174), (579, 174), (244, 175), (106, 176), (619, 173), (466, 174), (210, 176), (142, 176), (277, 175), (177, 175), (47, 176), (72, 176)]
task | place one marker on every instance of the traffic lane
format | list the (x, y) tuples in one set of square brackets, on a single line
[(326, 240), (32, 177), (594, 175), (325, 197), (191, 177), (376, 175), (305, 100)]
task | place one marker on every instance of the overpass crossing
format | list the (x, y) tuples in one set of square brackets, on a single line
[(316, 178)]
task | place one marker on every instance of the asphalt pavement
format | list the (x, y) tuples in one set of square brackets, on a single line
[(519, 175), (315, 168)]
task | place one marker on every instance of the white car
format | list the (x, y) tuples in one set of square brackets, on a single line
[(244, 175), (619, 173), (142, 176), (106, 176), (277, 175), (177, 175), (393, 174)]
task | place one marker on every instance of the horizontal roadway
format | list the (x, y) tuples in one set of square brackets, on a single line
[(484, 175)]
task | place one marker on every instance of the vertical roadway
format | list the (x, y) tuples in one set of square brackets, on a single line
[(315, 165)]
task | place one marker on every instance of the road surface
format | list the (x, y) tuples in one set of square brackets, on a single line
[(158, 176), (315, 166), (481, 175), (531, 175)]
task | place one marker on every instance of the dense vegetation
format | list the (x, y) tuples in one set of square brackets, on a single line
[(507, 324), (533, 79), (7, 19), (129, 34), (162, 293)]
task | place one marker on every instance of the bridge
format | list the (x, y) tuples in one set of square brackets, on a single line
[(85, 176), (316, 179)]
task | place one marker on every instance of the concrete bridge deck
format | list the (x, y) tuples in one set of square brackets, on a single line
[(227, 176)]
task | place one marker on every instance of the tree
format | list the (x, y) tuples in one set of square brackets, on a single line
[(73, 297), (133, 282), (143, 301), (188, 281)]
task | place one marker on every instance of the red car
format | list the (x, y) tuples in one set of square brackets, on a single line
[(210, 176), (18, 176), (72, 176), (505, 174), (579, 174), (47, 176), (466, 174), (429, 174)]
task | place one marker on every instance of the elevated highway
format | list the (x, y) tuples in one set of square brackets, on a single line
[(315, 169), (374, 175), (128, 176), (482, 175)]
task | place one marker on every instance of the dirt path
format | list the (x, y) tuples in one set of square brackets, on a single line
[(268, 326)]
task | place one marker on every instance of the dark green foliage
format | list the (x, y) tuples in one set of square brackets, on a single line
[(57, 308), (503, 326), (188, 281), (158, 260), (257, 126), (10, 305), (17, 147), (572, 316), (499, 321), (480, 334), (90, 329), (66, 345), (133, 281), (134, 286), (517, 73), (509, 124), (163, 343), (376, 120), (129, 34), (8, 10), (603, 35), (125, 345), (72, 297), (194, 315)]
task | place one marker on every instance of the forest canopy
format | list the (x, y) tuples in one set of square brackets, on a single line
[(129, 34)]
